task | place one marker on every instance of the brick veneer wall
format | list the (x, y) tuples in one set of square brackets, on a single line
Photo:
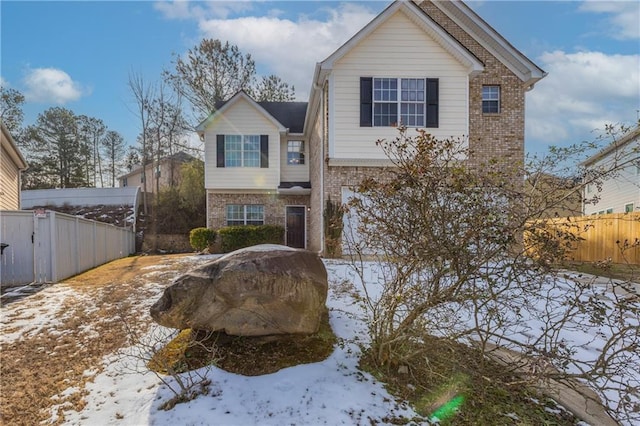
[(491, 136), (274, 207)]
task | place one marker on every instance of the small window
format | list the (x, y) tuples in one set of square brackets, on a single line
[(124, 182), (609, 211), (248, 214), (628, 208), (490, 99), (295, 153)]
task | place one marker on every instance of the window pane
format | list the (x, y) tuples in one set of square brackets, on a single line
[(385, 114), (412, 106), (255, 214), (490, 99), (295, 152), (232, 150), (251, 151), (235, 215)]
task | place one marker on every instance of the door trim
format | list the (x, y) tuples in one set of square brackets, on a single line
[(304, 227)]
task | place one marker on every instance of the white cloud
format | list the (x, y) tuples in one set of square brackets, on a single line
[(51, 85), (185, 9), (582, 92), (287, 48), (623, 21), (3, 82)]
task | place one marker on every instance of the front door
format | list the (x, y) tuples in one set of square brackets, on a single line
[(295, 226)]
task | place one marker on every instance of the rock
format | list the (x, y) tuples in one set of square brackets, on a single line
[(256, 291)]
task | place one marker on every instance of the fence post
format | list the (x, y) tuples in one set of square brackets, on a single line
[(54, 246)]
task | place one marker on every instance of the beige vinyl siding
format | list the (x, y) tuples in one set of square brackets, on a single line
[(398, 48), (242, 119), (9, 182), (296, 173), (619, 190)]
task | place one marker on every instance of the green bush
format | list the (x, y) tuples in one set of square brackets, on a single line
[(201, 238), (236, 237)]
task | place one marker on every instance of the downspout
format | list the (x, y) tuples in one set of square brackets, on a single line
[(322, 154)]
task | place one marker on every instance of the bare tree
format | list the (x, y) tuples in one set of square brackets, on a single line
[(91, 131), (453, 264), (143, 94)]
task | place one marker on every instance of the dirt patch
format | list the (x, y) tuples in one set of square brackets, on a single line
[(66, 329)]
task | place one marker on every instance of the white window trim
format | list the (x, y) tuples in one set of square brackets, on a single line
[(398, 101), (244, 214), (492, 100), (301, 152), (242, 151)]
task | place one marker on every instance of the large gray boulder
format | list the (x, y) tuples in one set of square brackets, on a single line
[(256, 291)]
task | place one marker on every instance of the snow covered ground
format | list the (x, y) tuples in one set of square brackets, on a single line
[(331, 392)]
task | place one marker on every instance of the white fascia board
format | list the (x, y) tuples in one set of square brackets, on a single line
[(491, 40), (235, 99)]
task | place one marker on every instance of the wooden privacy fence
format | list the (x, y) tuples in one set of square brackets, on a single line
[(45, 246), (614, 237)]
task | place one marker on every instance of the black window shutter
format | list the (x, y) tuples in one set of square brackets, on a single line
[(432, 103), (264, 151), (366, 99), (219, 150)]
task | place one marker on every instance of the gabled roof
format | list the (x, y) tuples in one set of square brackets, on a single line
[(626, 139), (290, 114), (464, 17), (12, 148), (178, 157), (417, 15), (491, 40), (283, 115)]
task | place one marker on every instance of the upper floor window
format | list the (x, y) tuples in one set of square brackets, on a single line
[(295, 152), (628, 208), (242, 151), (398, 101), (247, 214), (124, 181), (490, 99)]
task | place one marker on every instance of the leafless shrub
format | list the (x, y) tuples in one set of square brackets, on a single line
[(453, 263), (164, 352)]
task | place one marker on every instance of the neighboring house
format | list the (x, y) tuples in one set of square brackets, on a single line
[(12, 163), (432, 64), (620, 192), (167, 171)]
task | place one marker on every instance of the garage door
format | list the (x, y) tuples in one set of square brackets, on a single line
[(350, 236)]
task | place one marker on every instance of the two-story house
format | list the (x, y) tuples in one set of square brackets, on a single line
[(619, 192), (428, 64), (165, 173)]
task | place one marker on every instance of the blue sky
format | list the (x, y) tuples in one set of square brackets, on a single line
[(79, 54)]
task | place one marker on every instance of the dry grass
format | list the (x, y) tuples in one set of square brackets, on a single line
[(33, 370), (446, 370)]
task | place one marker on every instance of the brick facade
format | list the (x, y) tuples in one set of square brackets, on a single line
[(491, 136), (274, 207)]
